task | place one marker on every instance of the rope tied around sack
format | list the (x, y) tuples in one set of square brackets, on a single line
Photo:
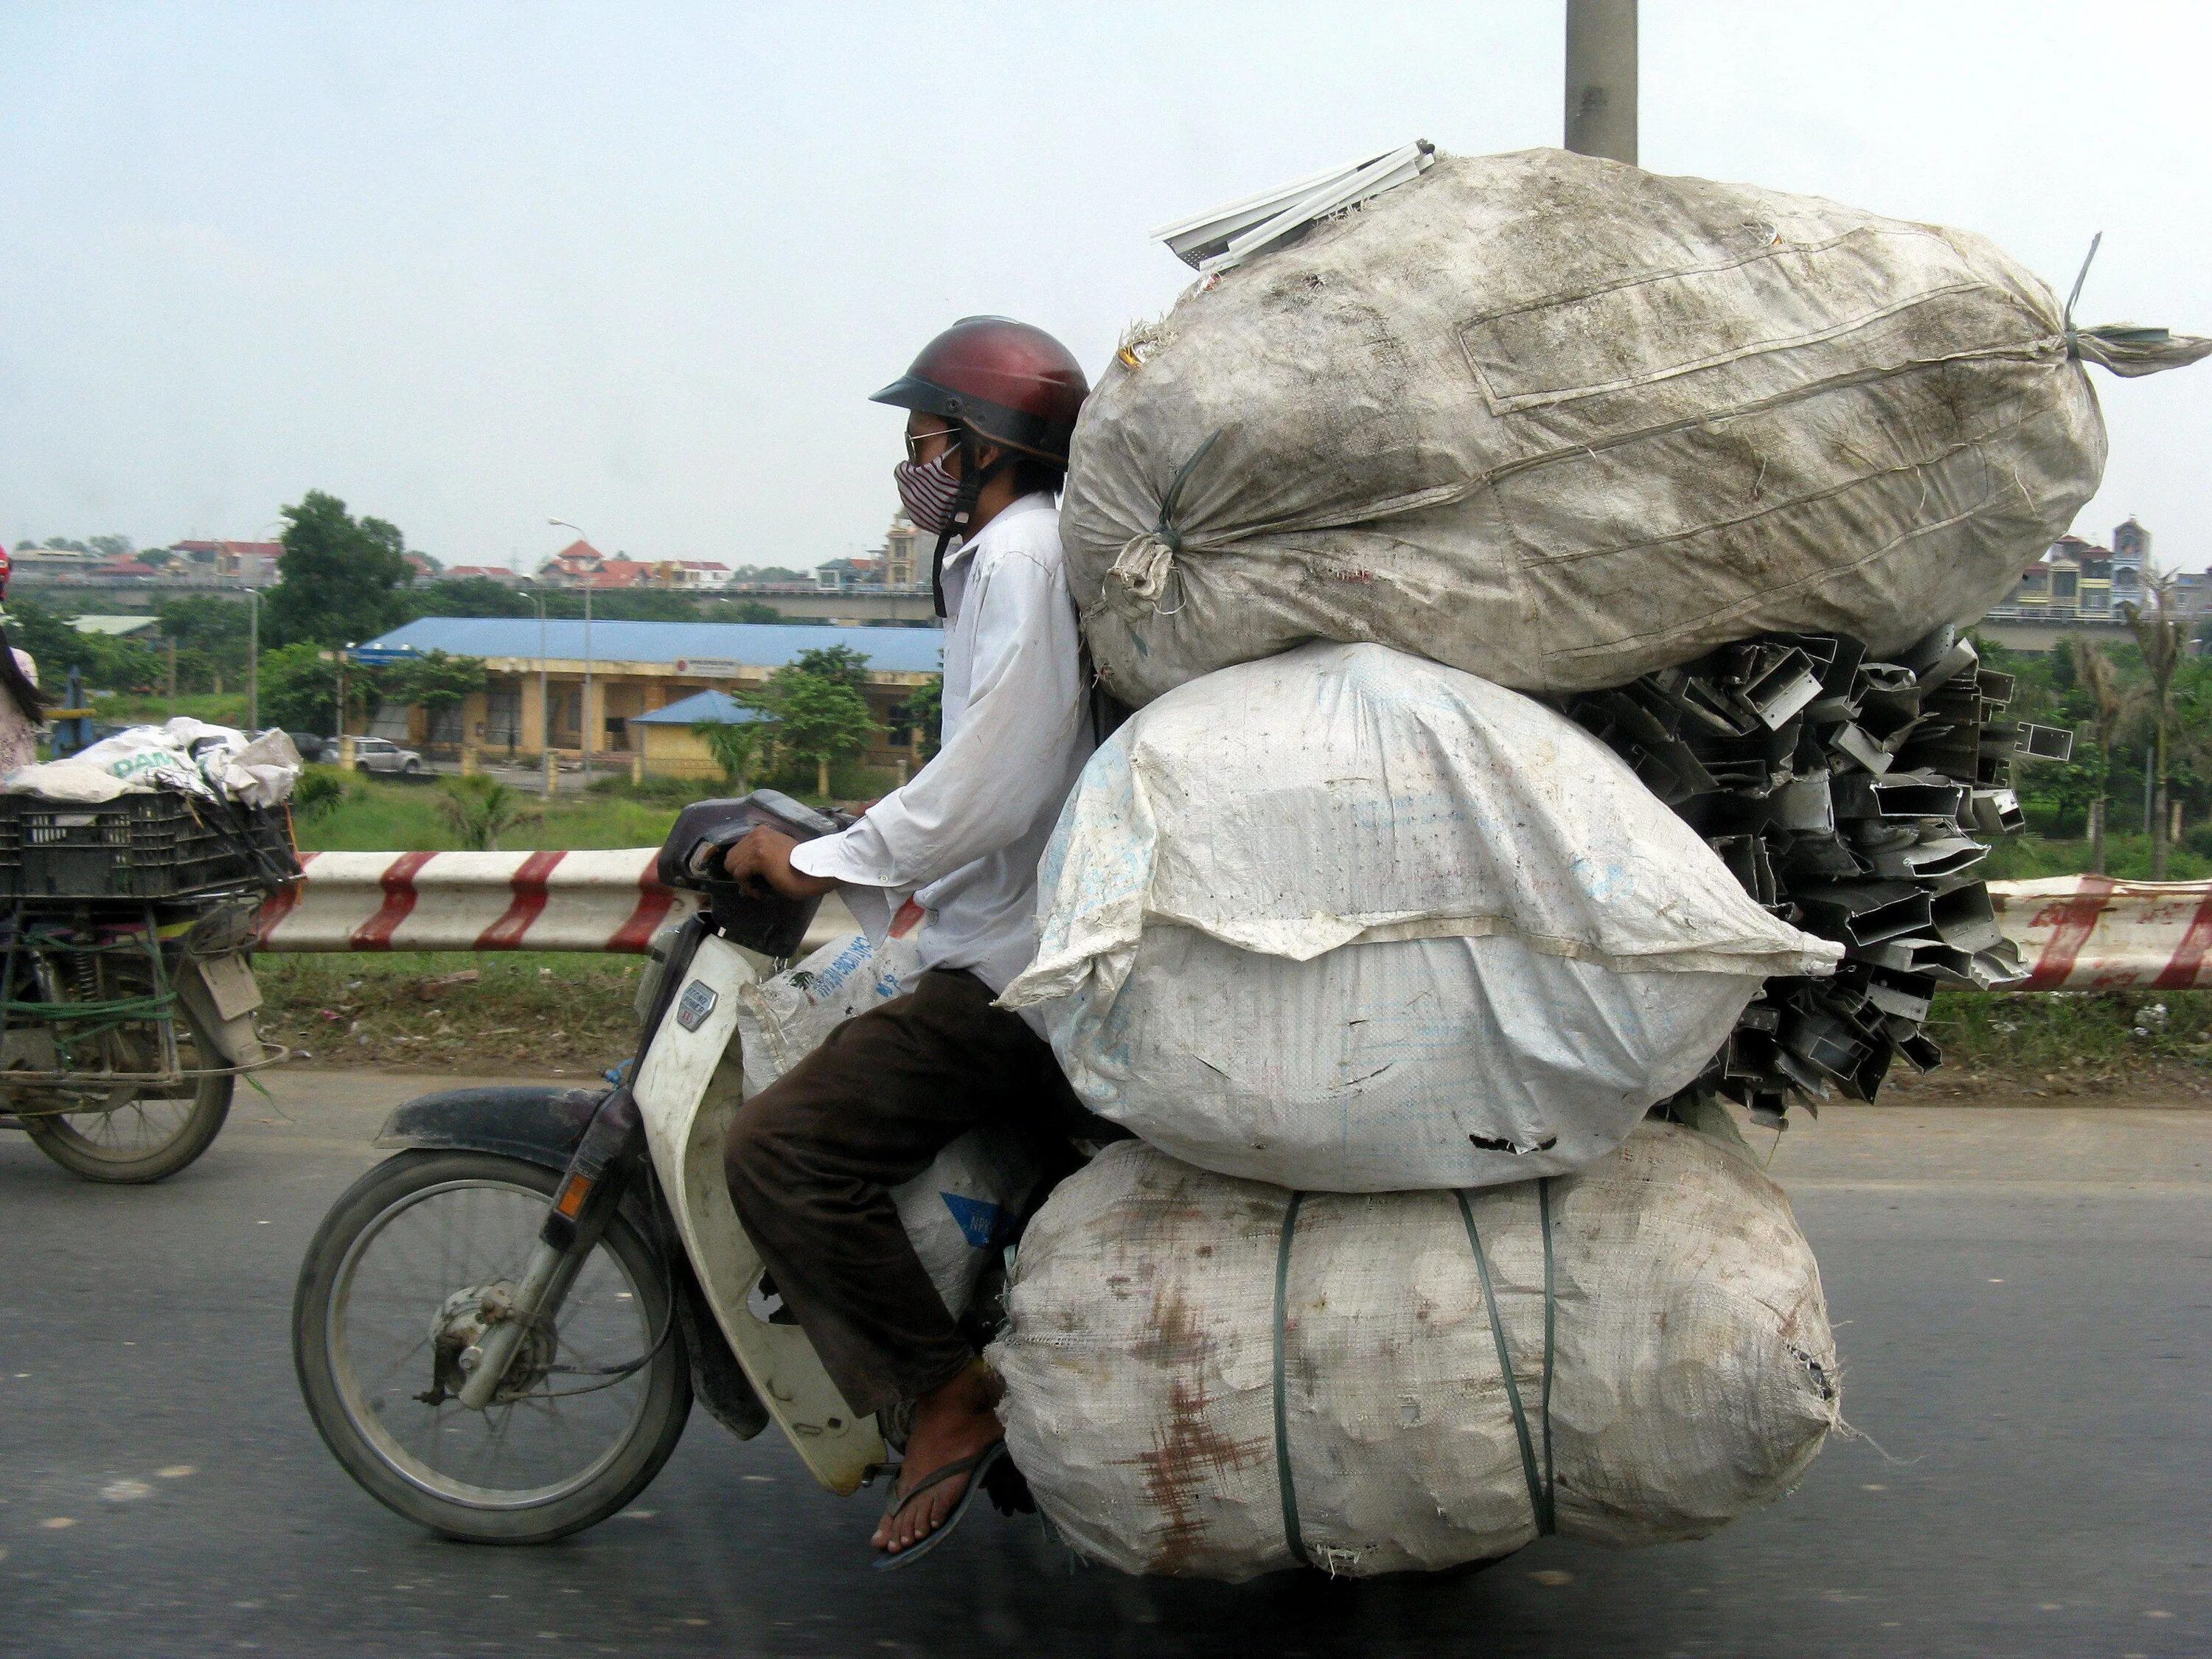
[(1142, 566), (1543, 1489), (2125, 349)]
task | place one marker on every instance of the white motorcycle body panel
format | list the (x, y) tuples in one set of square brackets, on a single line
[(687, 1090)]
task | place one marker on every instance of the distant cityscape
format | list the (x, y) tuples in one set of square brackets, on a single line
[(110, 561), (2079, 582), (2074, 583)]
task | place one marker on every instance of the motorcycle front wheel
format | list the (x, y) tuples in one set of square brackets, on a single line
[(401, 1278)]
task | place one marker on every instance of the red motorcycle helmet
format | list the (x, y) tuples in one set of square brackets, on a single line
[(1009, 383)]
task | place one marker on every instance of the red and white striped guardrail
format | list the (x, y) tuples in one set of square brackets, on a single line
[(2093, 932), (2076, 933), (549, 901)]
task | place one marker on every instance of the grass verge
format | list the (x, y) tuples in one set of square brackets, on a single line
[(2072, 1044), (528, 1012)]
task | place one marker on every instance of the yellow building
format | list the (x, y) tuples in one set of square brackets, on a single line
[(667, 744), (571, 684)]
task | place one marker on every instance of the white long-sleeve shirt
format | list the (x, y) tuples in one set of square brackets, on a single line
[(963, 837)]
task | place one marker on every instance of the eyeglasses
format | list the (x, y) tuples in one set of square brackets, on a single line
[(915, 439)]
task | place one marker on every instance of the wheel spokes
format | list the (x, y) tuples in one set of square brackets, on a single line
[(392, 1298)]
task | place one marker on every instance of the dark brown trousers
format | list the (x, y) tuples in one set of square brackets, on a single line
[(812, 1159)]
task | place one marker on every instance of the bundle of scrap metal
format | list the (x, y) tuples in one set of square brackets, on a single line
[(1846, 796)]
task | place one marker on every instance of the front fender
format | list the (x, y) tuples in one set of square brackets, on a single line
[(539, 1123)]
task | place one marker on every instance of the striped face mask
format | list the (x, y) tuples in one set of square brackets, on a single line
[(926, 490)]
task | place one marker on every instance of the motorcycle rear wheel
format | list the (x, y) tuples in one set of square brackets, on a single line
[(455, 1471), (149, 1137)]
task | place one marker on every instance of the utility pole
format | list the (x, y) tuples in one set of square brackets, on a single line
[(345, 744), (1602, 79), (253, 659), (545, 704), (584, 707)]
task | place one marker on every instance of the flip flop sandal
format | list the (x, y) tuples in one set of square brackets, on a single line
[(976, 1467)]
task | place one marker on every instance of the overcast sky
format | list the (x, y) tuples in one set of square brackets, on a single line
[(638, 266)]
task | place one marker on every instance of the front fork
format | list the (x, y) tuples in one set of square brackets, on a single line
[(590, 1189)]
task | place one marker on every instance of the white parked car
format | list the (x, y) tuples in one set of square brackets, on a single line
[(382, 755)]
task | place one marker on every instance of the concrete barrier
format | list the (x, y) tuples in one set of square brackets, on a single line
[(2077, 933), (2092, 932), (549, 901)]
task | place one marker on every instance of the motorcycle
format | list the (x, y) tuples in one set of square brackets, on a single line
[(127, 993), (500, 1331)]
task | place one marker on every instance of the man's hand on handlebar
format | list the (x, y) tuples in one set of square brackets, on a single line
[(761, 864)]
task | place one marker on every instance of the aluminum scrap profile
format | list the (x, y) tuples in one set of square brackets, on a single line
[(1846, 796)]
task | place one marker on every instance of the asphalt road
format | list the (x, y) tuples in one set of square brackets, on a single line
[(2024, 1299)]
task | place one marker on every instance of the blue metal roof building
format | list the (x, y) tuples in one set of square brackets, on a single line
[(702, 708), (754, 645)]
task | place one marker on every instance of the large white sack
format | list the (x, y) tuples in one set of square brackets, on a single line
[(1693, 1372), (958, 1212), (1434, 1062), (1346, 919), (1561, 422)]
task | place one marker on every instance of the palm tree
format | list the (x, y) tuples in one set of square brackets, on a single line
[(2111, 703), (2162, 637), (479, 811), (734, 746)]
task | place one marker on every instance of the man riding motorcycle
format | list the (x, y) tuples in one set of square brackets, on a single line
[(811, 1160)]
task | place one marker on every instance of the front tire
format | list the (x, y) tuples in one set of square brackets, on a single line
[(449, 1469)]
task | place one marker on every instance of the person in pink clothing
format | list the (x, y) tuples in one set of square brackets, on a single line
[(19, 714)]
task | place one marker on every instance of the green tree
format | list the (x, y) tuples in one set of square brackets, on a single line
[(480, 809), (433, 681), (818, 720), (840, 663), (2161, 636), (212, 640), (645, 604), (736, 746), (341, 580), (300, 689), (925, 712), (104, 662), (111, 547), (2110, 703), (472, 596), (740, 611)]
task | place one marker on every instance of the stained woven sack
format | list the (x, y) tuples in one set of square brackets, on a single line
[(1349, 920), (1215, 1378), (1560, 423)]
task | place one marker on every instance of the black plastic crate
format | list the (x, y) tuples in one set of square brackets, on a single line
[(153, 846)]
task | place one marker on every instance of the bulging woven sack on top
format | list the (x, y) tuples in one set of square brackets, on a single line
[(1349, 920), (1560, 422), (1215, 1378)]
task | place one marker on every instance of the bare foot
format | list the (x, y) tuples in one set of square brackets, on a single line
[(952, 1421)]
